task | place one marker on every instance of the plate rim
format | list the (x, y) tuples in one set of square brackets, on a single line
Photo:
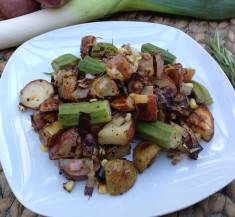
[(92, 23)]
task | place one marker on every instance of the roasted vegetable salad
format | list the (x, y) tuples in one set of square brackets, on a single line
[(88, 116)]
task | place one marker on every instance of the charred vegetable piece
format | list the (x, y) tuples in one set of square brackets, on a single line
[(123, 104), (158, 63), (146, 107), (49, 105), (153, 49), (201, 93), (67, 145), (119, 131), (174, 71), (100, 112), (35, 92), (104, 50), (91, 66), (37, 120), (111, 152), (49, 133), (201, 121), (160, 133), (191, 141), (63, 61), (145, 154), (87, 43), (120, 176)]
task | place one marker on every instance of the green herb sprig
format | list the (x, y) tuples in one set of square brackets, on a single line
[(222, 56)]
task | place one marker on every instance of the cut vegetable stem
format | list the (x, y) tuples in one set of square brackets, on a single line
[(159, 133)]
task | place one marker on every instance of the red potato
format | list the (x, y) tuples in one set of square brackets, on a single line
[(119, 131), (16, 8), (67, 145), (49, 133), (76, 169), (53, 3), (146, 107), (123, 104), (164, 81), (35, 92), (120, 176), (174, 71), (119, 68)]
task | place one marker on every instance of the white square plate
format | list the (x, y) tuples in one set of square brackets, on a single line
[(161, 189)]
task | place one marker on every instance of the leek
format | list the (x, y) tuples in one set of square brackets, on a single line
[(15, 31)]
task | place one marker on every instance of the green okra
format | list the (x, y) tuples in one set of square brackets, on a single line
[(99, 111), (201, 93), (153, 49), (159, 133), (91, 66), (104, 50), (63, 61)]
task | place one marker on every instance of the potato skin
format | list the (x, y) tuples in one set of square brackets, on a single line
[(118, 68), (146, 107), (117, 132), (120, 176), (123, 104), (67, 145), (144, 154), (164, 81), (201, 121), (15, 8), (115, 151)]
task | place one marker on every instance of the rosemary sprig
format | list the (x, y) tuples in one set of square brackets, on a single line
[(222, 56)]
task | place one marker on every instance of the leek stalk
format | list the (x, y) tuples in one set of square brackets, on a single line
[(15, 31)]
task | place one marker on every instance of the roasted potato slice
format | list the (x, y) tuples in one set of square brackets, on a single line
[(67, 145), (119, 131), (201, 121), (49, 105), (37, 120), (188, 74), (166, 81), (119, 68), (175, 72), (47, 113), (120, 176), (146, 65), (111, 152), (76, 169), (87, 43), (123, 104), (146, 107), (145, 154), (49, 133), (35, 92)]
